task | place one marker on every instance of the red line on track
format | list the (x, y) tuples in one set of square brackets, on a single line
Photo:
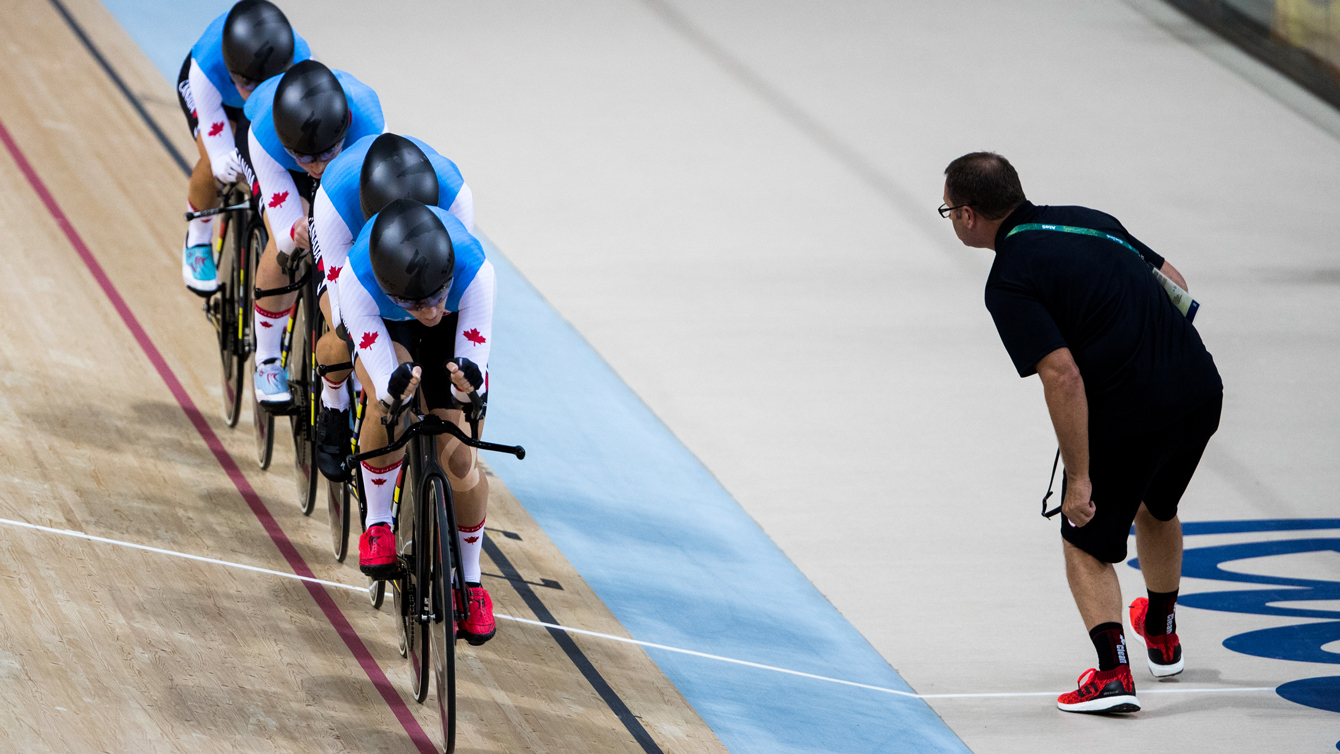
[(253, 500)]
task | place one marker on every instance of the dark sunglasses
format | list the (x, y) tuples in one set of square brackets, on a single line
[(410, 304), (308, 159), (243, 82)]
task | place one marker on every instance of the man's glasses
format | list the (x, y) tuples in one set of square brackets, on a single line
[(308, 159), (946, 209), (411, 304)]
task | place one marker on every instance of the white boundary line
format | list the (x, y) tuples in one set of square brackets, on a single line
[(608, 637)]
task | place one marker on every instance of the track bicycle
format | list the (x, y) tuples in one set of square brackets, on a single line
[(241, 235), (298, 356), (429, 565)]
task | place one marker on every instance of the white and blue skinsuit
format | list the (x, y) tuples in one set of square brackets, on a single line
[(279, 194), (337, 214), (210, 87), (364, 305)]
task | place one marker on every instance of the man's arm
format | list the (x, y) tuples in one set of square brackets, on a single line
[(1069, 407), (1173, 274)]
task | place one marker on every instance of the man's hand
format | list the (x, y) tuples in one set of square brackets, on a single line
[(227, 170), (1078, 505), (300, 234), (465, 375), (404, 381)]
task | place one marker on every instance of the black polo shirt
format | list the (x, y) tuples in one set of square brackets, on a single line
[(1143, 363)]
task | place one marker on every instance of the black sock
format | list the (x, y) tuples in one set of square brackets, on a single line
[(1159, 621), (1110, 642)]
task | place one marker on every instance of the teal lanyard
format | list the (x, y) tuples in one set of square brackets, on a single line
[(1179, 297), (1073, 229)]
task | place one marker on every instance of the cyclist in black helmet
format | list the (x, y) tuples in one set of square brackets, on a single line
[(416, 298), (368, 175), (239, 50), (299, 123)]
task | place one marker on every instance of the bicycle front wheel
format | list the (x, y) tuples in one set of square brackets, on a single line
[(230, 307), (304, 385), (444, 569)]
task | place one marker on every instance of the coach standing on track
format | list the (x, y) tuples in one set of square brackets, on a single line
[(1133, 395)]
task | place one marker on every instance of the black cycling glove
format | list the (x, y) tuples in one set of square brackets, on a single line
[(400, 381), (471, 371)]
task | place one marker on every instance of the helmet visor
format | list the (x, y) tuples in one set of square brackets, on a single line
[(410, 304), (326, 156), (244, 83)]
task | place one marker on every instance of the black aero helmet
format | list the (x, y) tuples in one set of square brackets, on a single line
[(395, 168), (257, 40), (410, 251), (311, 113)]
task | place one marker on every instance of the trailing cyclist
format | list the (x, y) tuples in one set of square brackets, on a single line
[(371, 173), (241, 48), (299, 123), (416, 297)]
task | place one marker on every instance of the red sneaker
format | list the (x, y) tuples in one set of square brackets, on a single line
[(478, 626), (1102, 691), (376, 552), (1163, 652)]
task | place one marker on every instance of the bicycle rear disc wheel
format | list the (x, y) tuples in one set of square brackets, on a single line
[(337, 506), (307, 398)]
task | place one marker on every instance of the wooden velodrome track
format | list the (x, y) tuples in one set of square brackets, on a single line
[(108, 648)]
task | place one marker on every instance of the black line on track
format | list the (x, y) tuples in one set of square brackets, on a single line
[(574, 652), (125, 90)]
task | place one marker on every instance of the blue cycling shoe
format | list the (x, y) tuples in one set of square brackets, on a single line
[(272, 382), (197, 269)]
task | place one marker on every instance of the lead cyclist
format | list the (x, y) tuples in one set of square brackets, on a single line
[(371, 173), (238, 50), (416, 297)]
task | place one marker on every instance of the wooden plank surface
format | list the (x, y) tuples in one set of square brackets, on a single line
[(104, 648)]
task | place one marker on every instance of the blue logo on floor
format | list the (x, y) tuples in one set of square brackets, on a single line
[(1302, 642)]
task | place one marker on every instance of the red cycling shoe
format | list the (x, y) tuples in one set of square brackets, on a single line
[(478, 626), (1163, 652), (1102, 691), (376, 552)]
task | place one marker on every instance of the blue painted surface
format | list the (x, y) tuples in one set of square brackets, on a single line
[(1301, 642), (675, 557), (659, 540), (166, 30)]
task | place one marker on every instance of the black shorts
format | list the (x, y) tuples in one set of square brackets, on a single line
[(234, 113), (431, 348), (1152, 468)]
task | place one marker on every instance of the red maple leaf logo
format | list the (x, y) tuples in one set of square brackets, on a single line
[(255, 188), (333, 273), (473, 336), (368, 339), (266, 324), (193, 115), (379, 482), (216, 129), (278, 199), (471, 540)]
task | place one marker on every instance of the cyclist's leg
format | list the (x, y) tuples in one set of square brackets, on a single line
[(271, 319), (333, 428), (376, 548), (469, 489), (202, 191)]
